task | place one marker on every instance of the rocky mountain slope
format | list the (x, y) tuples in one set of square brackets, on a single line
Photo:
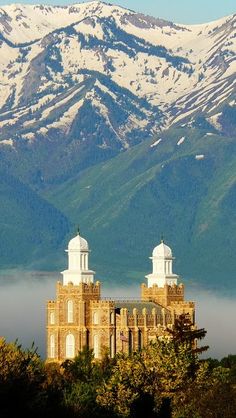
[(52, 60), (111, 118)]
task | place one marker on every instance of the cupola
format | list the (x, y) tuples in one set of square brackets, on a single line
[(162, 260), (78, 262)]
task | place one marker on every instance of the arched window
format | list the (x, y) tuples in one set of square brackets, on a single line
[(140, 340), (130, 342), (83, 261), (52, 318), (52, 346), (95, 318), (70, 346), (112, 346), (70, 311), (96, 346), (112, 318)]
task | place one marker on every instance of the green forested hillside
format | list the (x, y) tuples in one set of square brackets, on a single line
[(31, 229), (124, 205), (180, 184)]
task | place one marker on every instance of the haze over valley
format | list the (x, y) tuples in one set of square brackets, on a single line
[(23, 297)]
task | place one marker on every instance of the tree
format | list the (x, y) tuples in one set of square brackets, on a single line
[(210, 395), (83, 377), (167, 380), (230, 363), (21, 381), (54, 386), (184, 331), (154, 376)]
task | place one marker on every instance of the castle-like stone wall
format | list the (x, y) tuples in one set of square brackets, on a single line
[(79, 317), (98, 324)]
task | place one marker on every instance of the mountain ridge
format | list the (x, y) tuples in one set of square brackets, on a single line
[(109, 117), (164, 38)]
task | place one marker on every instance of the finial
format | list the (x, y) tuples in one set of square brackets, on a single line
[(162, 238), (78, 230)]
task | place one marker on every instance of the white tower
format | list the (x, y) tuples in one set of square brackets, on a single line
[(162, 267), (78, 271)]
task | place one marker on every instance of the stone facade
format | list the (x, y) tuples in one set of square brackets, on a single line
[(79, 316)]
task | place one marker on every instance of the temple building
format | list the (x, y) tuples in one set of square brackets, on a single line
[(80, 317)]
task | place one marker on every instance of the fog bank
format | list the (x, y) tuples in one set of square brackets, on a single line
[(23, 299)]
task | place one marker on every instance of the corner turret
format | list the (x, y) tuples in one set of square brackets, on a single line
[(78, 269), (162, 273)]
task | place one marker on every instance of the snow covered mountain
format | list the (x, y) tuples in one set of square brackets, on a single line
[(84, 92), (106, 75)]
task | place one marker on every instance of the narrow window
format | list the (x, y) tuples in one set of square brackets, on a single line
[(87, 338), (70, 311), (112, 318), (96, 346), (52, 346), (95, 318), (112, 346), (52, 318), (70, 346), (140, 342), (130, 342)]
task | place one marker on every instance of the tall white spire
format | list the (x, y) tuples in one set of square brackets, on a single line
[(78, 270), (162, 273)]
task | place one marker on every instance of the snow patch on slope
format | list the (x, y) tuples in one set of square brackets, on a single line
[(156, 143)]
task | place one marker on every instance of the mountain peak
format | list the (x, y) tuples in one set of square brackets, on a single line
[(47, 52)]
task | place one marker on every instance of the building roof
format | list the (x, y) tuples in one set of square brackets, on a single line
[(78, 243), (139, 305), (162, 250)]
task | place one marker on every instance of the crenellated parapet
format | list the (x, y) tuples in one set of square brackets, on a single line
[(149, 320), (51, 303), (183, 304), (184, 307), (164, 296), (83, 291), (96, 304)]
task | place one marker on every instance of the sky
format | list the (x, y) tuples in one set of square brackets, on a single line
[(179, 11)]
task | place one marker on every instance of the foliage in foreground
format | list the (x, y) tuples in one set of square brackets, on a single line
[(165, 380)]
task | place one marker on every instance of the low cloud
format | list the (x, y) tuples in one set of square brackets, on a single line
[(23, 299), (217, 315)]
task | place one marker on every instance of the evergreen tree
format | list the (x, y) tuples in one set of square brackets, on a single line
[(184, 331)]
